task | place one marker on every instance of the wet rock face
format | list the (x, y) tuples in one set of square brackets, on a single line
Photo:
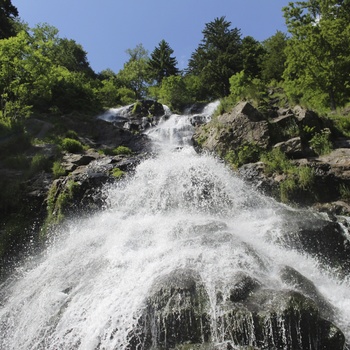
[(270, 319), (179, 314)]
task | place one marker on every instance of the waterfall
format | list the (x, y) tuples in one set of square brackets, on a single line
[(179, 210)]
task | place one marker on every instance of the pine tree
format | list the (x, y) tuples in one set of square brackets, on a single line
[(8, 13), (217, 57), (161, 63)]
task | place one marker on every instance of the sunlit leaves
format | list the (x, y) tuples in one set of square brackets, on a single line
[(318, 53)]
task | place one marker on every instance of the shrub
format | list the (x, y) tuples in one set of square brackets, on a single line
[(71, 145), (296, 178), (117, 173), (58, 170), (344, 192), (120, 150), (321, 143), (247, 153), (72, 135), (40, 162)]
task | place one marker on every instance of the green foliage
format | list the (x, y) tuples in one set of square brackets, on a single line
[(17, 161), (342, 124), (41, 72), (120, 150), (244, 87), (162, 64), (57, 169), (273, 62), (318, 52), (40, 162), (72, 145), (217, 58), (252, 56), (246, 153), (58, 202), (134, 75), (344, 191), (295, 179), (321, 143), (126, 96), (173, 92), (137, 107), (238, 84), (108, 93), (8, 13), (117, 173)]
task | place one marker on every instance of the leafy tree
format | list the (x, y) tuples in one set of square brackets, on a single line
[(108, 88), (173, 92), (161, 63), (318, 52), (32, 76), (275, 57), (252, 56), (134, 75), (8, 13), (217, 57), (24, 76), (71, 55)]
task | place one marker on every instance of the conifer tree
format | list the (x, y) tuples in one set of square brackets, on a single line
[(217, 57), (8, 13), (161, 63)]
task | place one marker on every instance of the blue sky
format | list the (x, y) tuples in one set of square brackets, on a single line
[(107, 28)]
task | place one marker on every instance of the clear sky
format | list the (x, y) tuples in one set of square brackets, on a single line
[(107, 28)]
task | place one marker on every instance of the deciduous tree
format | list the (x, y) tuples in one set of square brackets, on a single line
[(274, 58), (318, 52), (134, 75)]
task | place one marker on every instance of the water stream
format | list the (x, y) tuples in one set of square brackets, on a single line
[(179, 210)]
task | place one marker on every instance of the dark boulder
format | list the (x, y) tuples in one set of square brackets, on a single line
[(270, 319), (177, 312)]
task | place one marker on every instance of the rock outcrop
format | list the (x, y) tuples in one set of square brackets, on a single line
[(290, 131), (180, 314)]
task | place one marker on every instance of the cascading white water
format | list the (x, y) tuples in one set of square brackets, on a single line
[(179, 210)]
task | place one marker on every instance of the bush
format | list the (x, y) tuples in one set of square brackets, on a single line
[(120, 150), (247, 153), (40, 162), (58, 170), (71, 145), (321, 143), (297, 179), (117, 173)]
